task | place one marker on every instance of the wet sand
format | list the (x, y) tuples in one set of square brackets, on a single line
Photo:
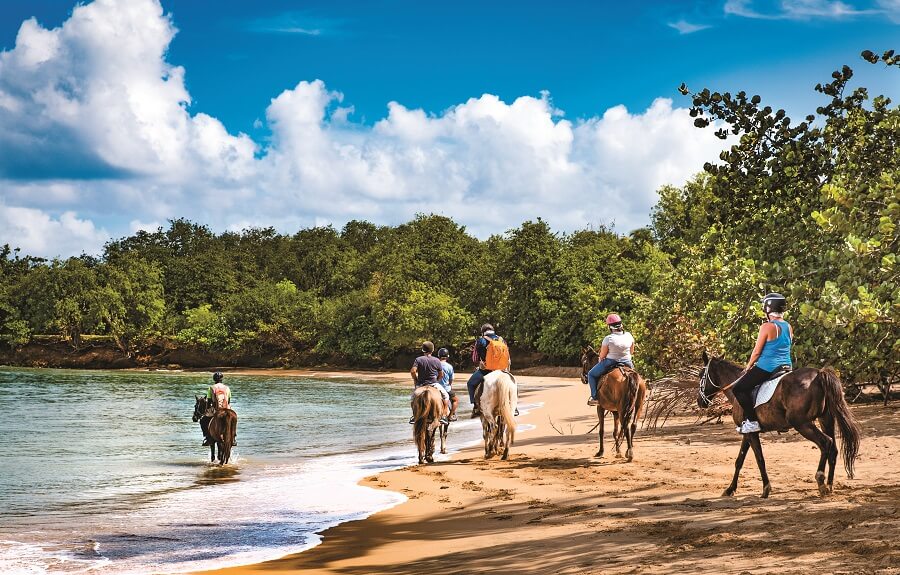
[(555, 508)]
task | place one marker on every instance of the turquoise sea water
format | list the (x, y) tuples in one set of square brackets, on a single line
[(103, 472)]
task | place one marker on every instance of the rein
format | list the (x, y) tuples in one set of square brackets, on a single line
[(706, 378)]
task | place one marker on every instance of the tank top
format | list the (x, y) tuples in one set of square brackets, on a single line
[(777, 352)]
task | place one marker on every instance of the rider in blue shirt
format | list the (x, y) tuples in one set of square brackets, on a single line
[(771, 352)]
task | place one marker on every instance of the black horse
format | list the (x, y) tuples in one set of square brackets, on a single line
[(218, 425), (802, 397)]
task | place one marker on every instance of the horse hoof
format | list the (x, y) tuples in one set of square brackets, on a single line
[(629, 455), (429, 459), (443, 452), (728, 493), (766, 490), (599, 454), (830, 488), (823, 490)]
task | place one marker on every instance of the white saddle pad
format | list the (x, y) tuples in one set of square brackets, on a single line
[(766, 390)]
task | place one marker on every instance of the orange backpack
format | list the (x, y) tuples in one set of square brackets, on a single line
[(497, 355)]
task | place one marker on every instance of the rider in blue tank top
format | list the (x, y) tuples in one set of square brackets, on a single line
[(771, 352)]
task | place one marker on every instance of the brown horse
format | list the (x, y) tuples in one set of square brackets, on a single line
[(222, 427), (427, 406), (802, 397), (621, 392)]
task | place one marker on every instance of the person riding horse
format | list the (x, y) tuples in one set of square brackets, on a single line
[(772, 353), (617, 350), (490, 354), (218, 396)]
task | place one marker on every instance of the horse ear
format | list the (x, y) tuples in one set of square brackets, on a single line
[(705, 357), (199, 396)]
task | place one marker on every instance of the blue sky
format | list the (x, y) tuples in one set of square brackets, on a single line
[(239, 75)]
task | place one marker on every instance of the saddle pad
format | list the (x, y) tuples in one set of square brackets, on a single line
[(766, 390)]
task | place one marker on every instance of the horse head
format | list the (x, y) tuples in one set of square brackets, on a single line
[(715, 374), (589, 358), (199, 407)]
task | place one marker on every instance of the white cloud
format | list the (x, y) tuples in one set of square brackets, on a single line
[(685, 27), (95, 120), (37, 233), (796, 9), (891, 8)]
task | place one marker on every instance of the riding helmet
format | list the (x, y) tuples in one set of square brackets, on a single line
[(614, 321), (443, 352), (774, 302), (486, 328), (217, 377)]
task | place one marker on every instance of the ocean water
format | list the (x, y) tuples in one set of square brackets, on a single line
[(103, 472)]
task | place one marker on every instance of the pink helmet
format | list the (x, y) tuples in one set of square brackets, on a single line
[(613, 319)]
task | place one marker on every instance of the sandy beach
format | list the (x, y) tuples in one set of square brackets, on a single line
[(555, 508)]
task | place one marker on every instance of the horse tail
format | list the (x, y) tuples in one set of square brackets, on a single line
[(837, 408), (632, 385), (505, 390), (420, 413), (229, 429)]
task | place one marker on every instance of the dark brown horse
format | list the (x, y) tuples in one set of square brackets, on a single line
[(802, 397), (427, 406), (621, 392), (222, 427)]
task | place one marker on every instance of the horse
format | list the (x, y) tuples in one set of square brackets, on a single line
[(221, 426), (427, 406), (620, 391), (499, 400), (802, 396)]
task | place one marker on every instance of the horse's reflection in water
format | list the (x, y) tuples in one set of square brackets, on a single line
[(218, 474)]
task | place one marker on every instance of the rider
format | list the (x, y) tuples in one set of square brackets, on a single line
[(447, 380), (617, 349), (427, 370), (222, 395), (491, 353), (771, 352)]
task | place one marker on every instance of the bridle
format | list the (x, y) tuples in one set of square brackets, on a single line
[(704, 377)]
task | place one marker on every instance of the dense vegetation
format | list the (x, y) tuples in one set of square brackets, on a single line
[(808, 209)]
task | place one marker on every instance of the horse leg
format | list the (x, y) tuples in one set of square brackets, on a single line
[(826, 446), (429, 444), (628, 430), (827, 424), (617, 433), (601, 415), (738, 463), (444, 428), (760, 462)]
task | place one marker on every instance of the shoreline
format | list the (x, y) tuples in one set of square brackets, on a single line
[(555, 508)]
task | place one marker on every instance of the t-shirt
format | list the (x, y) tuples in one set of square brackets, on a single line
[(222, 394), (619, 345), (447, 377), (428, 370)]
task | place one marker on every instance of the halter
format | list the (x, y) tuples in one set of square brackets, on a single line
[(705, 377)]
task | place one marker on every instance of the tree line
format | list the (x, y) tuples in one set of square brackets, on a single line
[(809, 209)]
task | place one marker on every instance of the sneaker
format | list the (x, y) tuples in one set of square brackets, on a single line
[(592, 401), (454, 417), (445, 421), (517, 412), (206, 442), (412, 420), (749, 426)]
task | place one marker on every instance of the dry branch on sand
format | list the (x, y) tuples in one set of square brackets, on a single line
[(676, 394)]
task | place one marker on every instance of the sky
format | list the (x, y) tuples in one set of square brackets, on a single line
[(118, 115)]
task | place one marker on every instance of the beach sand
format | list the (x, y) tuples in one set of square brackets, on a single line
[(555, 508)]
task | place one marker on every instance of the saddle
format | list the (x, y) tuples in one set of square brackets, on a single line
[(763, 392)]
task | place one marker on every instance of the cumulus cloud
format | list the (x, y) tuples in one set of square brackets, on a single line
[(36, 233), (95, 127)]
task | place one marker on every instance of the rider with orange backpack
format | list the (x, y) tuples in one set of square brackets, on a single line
[(491, 353)]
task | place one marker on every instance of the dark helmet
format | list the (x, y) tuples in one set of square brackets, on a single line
[(217, 377), (427, 347), (443, 352), (486, 327), (774, 302)]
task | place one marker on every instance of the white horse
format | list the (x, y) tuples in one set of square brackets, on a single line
[(499, 400)]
